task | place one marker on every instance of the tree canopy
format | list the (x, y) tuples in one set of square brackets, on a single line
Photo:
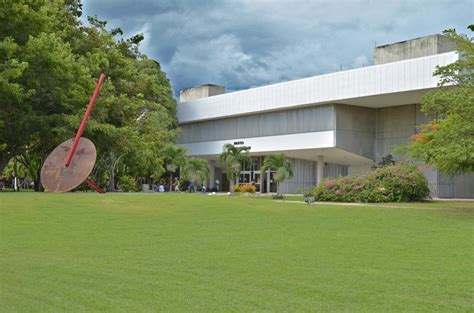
[(280, 164), (196, 169), (233, 158), (448, 141), (50, 62), (174, 158)]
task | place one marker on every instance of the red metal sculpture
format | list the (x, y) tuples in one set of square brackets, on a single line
[(70, 163)]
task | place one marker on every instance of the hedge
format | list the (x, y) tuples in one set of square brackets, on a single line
[(392, 183)]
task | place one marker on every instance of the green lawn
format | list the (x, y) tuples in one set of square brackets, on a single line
[(162, 252)]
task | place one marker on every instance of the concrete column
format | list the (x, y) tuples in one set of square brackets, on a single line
[(212, 174), (320, 170), (268, 182)]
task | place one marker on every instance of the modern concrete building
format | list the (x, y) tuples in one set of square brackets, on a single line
[(328, 125)]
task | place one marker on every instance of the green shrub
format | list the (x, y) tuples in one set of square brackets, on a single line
[(278, 197), (248, 188), (183, 184), (400, 183), (127, 183), (394, 183)]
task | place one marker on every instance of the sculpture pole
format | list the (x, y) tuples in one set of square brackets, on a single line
[(84, 120)]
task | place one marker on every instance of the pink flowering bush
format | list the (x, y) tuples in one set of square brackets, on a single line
[(393, 183)]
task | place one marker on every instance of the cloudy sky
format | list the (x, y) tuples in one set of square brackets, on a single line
[(247, 43)]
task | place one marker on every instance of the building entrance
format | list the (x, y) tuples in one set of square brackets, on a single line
[(251, 175)]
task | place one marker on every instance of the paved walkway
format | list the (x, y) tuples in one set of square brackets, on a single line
[(316, 203), (377, 205)]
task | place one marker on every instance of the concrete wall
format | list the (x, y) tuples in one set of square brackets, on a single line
[(204, 91), (394, 126), (371, 133), (305, 173), (355, 129), (358, 170), (304, 120), (304, 177), (364, 131), (335, 170), (414, 48), (460, 186), (432, 178)]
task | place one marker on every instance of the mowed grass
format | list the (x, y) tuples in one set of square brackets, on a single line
[(181, 252)]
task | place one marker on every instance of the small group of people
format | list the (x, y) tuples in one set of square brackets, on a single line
[(16, 183), (192, 187), (169, 186)]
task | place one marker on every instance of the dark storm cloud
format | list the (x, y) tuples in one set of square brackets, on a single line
[(246, 43)]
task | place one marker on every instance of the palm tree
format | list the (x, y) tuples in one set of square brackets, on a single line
[(174, 158), (280, 164), (196, 169), (233, 157)]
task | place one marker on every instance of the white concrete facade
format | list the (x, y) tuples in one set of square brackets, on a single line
[(355, 118), (263, 145), (368, 86)]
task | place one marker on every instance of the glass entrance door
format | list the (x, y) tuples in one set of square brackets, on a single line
[(250, 173), (257, 181), (245, 177), (273, 185)]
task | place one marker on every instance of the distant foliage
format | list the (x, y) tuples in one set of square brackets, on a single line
[(393, 183), (386, 160), (128, 183)]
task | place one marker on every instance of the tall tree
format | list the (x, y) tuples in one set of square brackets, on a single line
[(41, 78), (281, 165), (233, 158), (448, 141), (174, 158), (197, 169), (50, 62)]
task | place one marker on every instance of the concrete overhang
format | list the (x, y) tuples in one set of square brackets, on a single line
[(332, 155), (390, 84), (306, 146)]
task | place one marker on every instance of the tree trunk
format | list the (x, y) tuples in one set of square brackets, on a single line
[(38, 186), (111, 179), (231, 185), (171, 182), (15, 176)]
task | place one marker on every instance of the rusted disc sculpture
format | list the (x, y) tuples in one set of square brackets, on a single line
[(71, 163), (57, 177)]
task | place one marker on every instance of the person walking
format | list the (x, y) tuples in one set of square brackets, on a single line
[(176, 187), (191, 185)]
